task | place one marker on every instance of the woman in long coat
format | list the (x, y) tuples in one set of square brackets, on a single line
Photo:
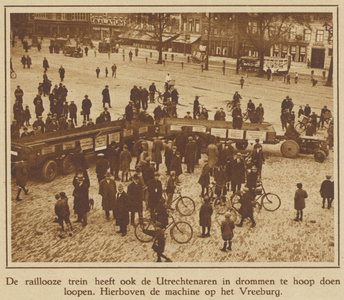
[(205, 216), (156, 152), (107, 189)]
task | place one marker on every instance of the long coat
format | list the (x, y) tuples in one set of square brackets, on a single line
[(204, 179), (156, 151), (21, 173), (155, 193), (122, 209), (227, 227), (190, 153), (135, 197), (213, 154), (80, 193), (246, 209), (327, 189), (108, 192), (125, 160), (106, 96), (101, 168), (299, 199), (238, 172), (168, 156), (86, 105), (176, 164), (205, 215)]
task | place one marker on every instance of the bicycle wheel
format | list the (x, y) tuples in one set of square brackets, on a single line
[(229, 107), (13, 75), (220, 206), (271, 202), (181, 232), (185, 206), (300, 127), (146, 224), (160, 99), (245, 117)]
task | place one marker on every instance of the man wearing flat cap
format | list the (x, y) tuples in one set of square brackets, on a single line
[(155, 193), (327, 191), (86, 108)]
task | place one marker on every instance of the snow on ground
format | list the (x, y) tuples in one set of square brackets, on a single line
[(276, 238)]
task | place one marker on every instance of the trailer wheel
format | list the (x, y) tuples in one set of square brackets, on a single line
[(137, 147), (49, 170), (241, 145), (319, 156), (67, 165), (290, 149)]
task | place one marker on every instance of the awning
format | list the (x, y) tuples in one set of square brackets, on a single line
[(183, 39), (144, 36)]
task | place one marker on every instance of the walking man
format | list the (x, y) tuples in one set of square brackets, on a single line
[(106, 96), (62, 73), (114, 68)]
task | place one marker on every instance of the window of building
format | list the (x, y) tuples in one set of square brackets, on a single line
[(184, 26), (190, 26), (330, 52), (303, 50), (320, 36), (197, 28), (307, 35), (292, 34), (252, 27)]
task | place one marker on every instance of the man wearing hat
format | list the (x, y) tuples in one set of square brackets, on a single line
[(237, 117), (129, 112), (159, 241), (73, 112), (106, 96), (252, 178), (327, 191), (176, 165), (102, 166), (205, 214), (257, 157), (125, 160), (227, 227), (188, 115), (238, 171), (25, 133), (107, 189), (62, 210), (122, 210), (168, 155), (135, 198), (190, 154), (80, 193), (156, 151), (18, 93), (86, 107), (291, 133), (39, 122), (155, 193), (152, 90), (246, 208)]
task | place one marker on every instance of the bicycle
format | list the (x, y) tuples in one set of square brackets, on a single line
[(159, 98), (180, 231), (301, 126), (184, 204), (218, 201), (13, 74)]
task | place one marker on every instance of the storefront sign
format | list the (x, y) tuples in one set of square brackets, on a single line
[(253, 135), (236, 134), (221, 132)]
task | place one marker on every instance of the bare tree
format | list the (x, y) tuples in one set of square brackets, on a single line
[(157, 26)]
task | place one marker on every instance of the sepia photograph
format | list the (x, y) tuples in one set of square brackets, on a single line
[(185, 135)]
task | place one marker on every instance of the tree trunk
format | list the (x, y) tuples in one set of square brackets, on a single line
[(160, 57), (261, 64), (330, 73)]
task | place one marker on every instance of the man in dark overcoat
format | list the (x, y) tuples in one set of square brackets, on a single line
[(106, 96), (205, 214), (73, 112), (155, 193), (113, 156), (86, 107), (196, 104), (168, 156), (18, 93), (129, 113), (80, 193), (135, 199), (62, 73), (190, 155), (156, 152), (237, 117), (45, 64), (327, 191), (238, 173), (246, 208), (122, 210), (257, 158), (21, 177), (107, 189), (101, 167)]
